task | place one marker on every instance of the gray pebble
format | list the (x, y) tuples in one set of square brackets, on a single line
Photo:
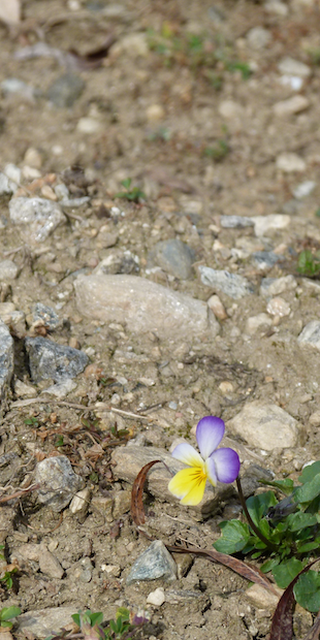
[(36, 217), (11, 86), (265, 259), (49, 360), (304, 189), (6, 363), (274, 286), (44, 622), (7, 187), (236, 222), (258, 38), (231, 284), (310, 334), (173, 256), (58, 482), (65, 90), (8, 270), (155, 562), (42, 312), (50, 565)]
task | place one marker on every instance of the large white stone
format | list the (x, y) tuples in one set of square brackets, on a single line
[(266, 426), (274, 221), (310, 334), (290, 163)]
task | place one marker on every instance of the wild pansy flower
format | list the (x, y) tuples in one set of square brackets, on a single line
[(213, 464)]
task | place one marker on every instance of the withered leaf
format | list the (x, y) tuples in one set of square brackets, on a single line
[(137, 510)]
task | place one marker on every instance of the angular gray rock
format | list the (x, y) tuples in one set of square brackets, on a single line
[(267, 426), (173, 256), (144, 306), (236, 222), (270, 287), (35, 217), (155, 562), (41, 623), (49, 360), (45, 314), (6, 364), (58, 482), (231, 284), (310, 334), (265, 259)]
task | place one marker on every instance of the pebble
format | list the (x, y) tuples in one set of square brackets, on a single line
[(50, 565), (12, 86), (14, 174), (8, 270), (273, 286), (214, 303), (236, 222), (33, 158), (89, 125), (49, 360), (65, 90), (278, 307), (47, 192), (156, 597), (155, 113), (143, 305), (231, 284), (6, 364), (83, 570), (62, 389), (134, 45), (290, 163), (74, 203), (230, 110), (262, 598), (277, 7), (258, 38), (315, 419), (7, 186), (266, 426), (272, 222), (173, 256), (294, 82), (293, 105), (291, 67), (256, 322), (37, 218), (58, 482), (265, 259), (80, 502), (304, 189), (46, 315), (23, 390), (155, 562), (310, 334), (41, 623)]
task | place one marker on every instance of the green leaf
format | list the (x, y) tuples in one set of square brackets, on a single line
[(269, 565), (286, 485), (305, 547), (307, 591), (309, 472), (300, 520), (126, 183), (309, 490), (286, 571), (76, 618), (124, 613), (96, 618), (259, 505), (9, 612), (235, 536)]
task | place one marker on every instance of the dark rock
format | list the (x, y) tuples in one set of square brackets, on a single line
[(48, 360), (155, 562), (58, 482), (66, 90), (173, 256), (45, 314)]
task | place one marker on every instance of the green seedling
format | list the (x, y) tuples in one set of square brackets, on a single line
[(218, 151), (134, 194), (309, 263), (6, 615), (93, 628), (33, 422)]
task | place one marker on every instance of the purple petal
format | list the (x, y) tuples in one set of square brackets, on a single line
[(209, 434), (227, 464)]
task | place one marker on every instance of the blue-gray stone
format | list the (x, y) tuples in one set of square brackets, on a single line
[(173, 256), (65, 90), (155, 562), (236, 222), (265, 259), (42, 312), (58, 482), (6, 364), (231, 284), (48, 360)]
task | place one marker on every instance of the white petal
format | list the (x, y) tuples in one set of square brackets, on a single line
[(188, 455)]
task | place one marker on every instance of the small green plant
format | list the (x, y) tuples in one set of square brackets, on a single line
[(33, 422), (134, 194), (284, 533), (59, 441), (7, 614), (217, 151), (92, 626), (309, 263), (7, 577)]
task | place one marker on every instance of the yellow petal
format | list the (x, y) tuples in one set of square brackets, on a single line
[(188, 485)]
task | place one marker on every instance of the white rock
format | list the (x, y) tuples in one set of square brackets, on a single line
[(33, 158), (231, 284), (23, 390), (156, 597), (230, 109), (276, 7), (61, 389), (155, 113), (293, 67), (304, 189), (143, 306), (266, 426), (36, 217), (310, 334), (89, 125), (293, 105), (30, 173), (294, 82), (274, 286), (80, 502), (134, 45), (258, 37), (214, 303), (278, 307), (14, 174), (8, 270), (290, 163), (272, 222), (256, 322), (262, 598)]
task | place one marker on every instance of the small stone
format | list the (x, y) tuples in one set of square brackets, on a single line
[(111, 570), (33, 158), (229, 109), (49, 360), (80, 502), (42, 623), (277, 7), (14, 86), (58, 482), (155, 562), (156, 597), (265, 259), (50, 565), (291, 67), (278, 307), (30, 173), (89, 125), (290, 163), (266, 426), (258, 38), (236, 222), (214, 303), (65, 90), (23, 390), (47, 192), (7, 186), (293, 105), (304, 189), (6, 364), (256, 322), (61, 389), (263, 598), (231, 284), (226, 387), (8, 270), (274, 286), (315, 419), (134, 45), (294, 82), (46, 315), (155, 113), (173, 256), (122, 503), (83, 570), (272, 222), (311, 334), (37, 218)]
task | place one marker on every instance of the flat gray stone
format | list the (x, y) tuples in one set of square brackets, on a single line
[(155, 562), (58, 482), (50, 565), (231, 284), (143, 306), (173, 256), (266, 426), (236, 222), (6, 364), (36, 218), (265, 259), (65, 90), (270, 287), (8, 270), (49, 360), (310, 334), (45, 622)]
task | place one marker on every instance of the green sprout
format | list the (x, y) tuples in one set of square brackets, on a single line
[(7, 614), (134, 194), (309, 263), (93, 628), (218, 151)]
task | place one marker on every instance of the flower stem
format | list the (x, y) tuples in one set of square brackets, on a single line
[(268, 543)]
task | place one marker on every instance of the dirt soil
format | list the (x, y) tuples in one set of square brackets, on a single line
[(181, 103)]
